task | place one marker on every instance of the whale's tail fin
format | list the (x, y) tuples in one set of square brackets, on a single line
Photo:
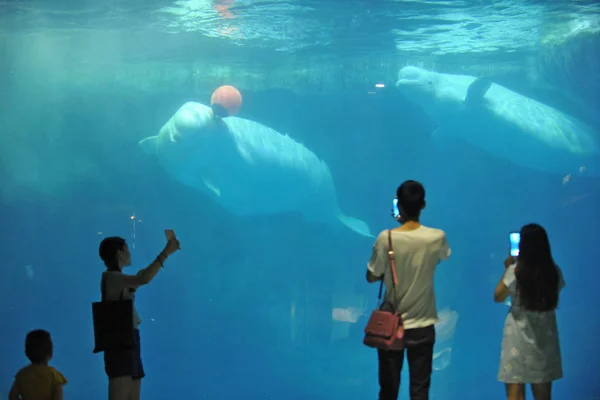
[(356, 225)]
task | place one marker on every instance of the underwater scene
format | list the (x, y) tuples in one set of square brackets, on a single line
[(270, 137)]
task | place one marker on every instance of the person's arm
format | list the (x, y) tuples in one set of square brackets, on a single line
[(145, 275), (14, 392), (507, 282), (372, 278), (57, 393), (376, 265), (561, 279), (501, 292), (445, 250)]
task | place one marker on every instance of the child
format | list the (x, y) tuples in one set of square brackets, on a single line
[(38, 381)]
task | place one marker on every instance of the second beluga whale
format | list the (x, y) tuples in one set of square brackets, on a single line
[(246, 167), (502, 122)]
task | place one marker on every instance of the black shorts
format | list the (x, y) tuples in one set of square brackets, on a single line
[(118, 363)]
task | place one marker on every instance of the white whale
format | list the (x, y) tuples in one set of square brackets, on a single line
[(502, 122), (246, 167)]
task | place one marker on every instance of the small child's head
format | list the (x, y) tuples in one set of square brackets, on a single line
[(38, 346)]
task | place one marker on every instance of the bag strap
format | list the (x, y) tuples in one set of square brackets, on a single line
[(392, 266), (392, 258)]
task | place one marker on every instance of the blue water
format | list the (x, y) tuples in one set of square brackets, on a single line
[(273, 306)]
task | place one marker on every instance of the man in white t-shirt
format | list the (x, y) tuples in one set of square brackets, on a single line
[(418, 250)]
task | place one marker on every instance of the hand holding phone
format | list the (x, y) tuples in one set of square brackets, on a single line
[(170, 234), (172, 243), (515, 240), (513, 252), (396, 211)]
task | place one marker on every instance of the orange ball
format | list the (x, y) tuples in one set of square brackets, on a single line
[(226, 101)]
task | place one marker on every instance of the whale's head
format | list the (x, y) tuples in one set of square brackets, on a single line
[(193, 134), (192, 138), (441, 96), (192, 124), (417, 84)]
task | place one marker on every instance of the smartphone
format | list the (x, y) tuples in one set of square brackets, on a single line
[(396, 211), (170, 234), (515, 239)]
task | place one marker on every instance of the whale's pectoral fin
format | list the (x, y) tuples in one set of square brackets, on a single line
[(477, 90), (356, 225), (149, 145), (212, 187)]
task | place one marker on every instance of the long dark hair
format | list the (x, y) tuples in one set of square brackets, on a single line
[(536, 273)]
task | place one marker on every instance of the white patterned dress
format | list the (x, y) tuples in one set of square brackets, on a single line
[(530, 345)]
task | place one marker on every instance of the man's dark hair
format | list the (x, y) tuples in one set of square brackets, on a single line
[(38, 346), (411, 198), (108, 250)]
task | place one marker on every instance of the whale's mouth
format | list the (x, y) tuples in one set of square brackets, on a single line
[(406, 82)]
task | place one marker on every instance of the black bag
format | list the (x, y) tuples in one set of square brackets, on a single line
[(113, 323)]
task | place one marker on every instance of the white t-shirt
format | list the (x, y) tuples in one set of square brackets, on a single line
[(117, 283), (417, 254)]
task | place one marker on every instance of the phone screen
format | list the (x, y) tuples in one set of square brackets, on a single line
[(515, 238), (170, 234), (396, 211)]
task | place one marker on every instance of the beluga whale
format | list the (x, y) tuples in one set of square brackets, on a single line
[(247, 168), (501, 122)]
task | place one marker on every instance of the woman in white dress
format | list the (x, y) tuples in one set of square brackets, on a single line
[(530, 344)]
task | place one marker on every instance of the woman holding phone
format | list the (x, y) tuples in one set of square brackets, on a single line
[(124, 366), (530, 344)]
